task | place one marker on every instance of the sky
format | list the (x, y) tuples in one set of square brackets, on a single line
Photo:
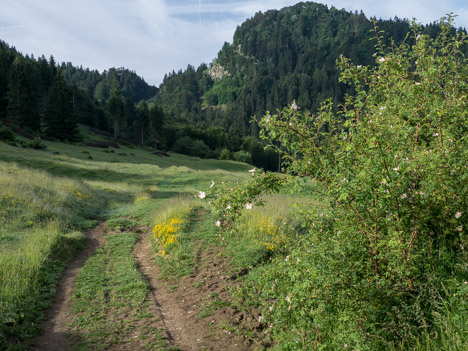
[(155, 37)]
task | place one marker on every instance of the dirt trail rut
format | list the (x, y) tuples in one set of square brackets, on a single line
[(179, 308), (55, 334)]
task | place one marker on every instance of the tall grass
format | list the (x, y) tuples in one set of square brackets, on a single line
[(39, 218)]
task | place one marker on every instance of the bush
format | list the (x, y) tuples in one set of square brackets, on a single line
[(37, 144), (183, 145), (187, 146), (242, 156), (6, 134), (225, 154), (199, 149)]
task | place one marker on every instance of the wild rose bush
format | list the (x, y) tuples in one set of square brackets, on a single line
[(393, 163)]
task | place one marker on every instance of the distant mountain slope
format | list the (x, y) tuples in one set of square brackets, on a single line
[(276, 57), (98, 85)]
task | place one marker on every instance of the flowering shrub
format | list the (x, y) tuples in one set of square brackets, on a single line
[(393, 163), (228, 201)]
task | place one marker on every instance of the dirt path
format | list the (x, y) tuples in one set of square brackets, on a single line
[(179, 308), (55, 334), (185, 314)]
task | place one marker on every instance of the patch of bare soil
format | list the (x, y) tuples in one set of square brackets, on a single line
[(195, 311), (55, 334)]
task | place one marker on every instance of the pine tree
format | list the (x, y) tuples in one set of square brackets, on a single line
[(156, 120), (6, 59), (116, 108), (46, 77), (60, 120), (22, 107), (142, 120)]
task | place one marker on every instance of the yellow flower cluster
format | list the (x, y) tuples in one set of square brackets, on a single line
[(77, 193), (141, 198), (166, 233), (269, 233)]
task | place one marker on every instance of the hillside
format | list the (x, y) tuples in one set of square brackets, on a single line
[(276, 57), (98, 85)]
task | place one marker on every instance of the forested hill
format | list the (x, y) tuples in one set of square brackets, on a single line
[(276, 57), (98, 85)]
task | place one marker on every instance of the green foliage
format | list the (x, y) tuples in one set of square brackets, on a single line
[(60, 121), (98, 86), (225, 154), (276, 57), (374, 269), (37, 144), (242, 156), (21, 99), (187, 146), (6, 134), (120, 223), (116, 108), (200, 149)]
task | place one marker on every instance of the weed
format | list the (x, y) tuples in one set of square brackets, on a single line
[(120, 223)]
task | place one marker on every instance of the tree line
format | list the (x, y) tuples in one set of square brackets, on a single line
[(49, 100)]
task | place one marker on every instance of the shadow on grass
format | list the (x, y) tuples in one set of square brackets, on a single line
[(160, 195), (77, 172)]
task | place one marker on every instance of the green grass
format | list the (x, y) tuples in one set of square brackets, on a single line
[(48, 197), (120, 223)]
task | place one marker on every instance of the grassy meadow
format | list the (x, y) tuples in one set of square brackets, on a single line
[(50, 197)]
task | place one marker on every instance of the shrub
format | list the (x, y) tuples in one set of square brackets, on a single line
[(242, 156), (37, 144), (183, 145), (225, 154), (199, 149), (6, 134)]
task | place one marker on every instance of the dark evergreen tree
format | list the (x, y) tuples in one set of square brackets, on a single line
[(156, 122), (21, 98), (60, 121), (6, 59), (142, 121), (46, 76)]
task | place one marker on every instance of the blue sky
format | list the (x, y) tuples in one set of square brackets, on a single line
[(154, 37)]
